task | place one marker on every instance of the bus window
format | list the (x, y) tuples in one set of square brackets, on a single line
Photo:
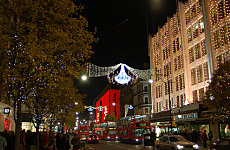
[(112, 133), (141, 132)]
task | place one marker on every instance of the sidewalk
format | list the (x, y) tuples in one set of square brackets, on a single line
[(201, 147)]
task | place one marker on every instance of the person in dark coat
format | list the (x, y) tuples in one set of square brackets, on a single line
[(29, 140), (210, 136), (65, 141), (195, 136), (153, 138)]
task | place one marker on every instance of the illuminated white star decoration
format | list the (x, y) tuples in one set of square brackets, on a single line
[(120, 73)]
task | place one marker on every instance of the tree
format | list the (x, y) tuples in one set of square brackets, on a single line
[(111, 117), (43, 45), (217, 96)]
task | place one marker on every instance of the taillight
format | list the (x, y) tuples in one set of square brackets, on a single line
[(89, 138), (97, 138)]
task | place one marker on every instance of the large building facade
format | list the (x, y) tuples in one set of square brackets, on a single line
[(107, 104), (187, 50)]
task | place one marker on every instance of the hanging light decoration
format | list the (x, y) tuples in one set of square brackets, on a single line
[(120, 73)]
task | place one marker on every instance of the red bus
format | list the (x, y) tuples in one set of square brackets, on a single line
[(83, 132), (107, 131), (131, 129)]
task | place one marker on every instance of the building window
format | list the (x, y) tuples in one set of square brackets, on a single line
[(193, 11), (201, 94), (214, 15), (206, 75), (188, 16), (178, 101), (145, 88), (174, 46), (220, 10), (219, 60), (177, 44), (195, 30), (157, 107), (200, 73), (163, 54), (189, 32), (146, 111), (198, 6), (177, 85), (167, 104), (183, 80), (227, 7), (201, 25), (182, 99), (180, 82), (179, 62), (224, 35), (191, 55), (146, 100), (197, 51), (216, 39), (166, 88), (226, 56), (203, 48), (193, 76), (194, 95), (175, 64)]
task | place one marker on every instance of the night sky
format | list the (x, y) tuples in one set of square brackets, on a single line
[(122, 27)]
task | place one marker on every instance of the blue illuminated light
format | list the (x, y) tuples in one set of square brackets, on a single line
[(130, 107), (122, 77), (90, 109)]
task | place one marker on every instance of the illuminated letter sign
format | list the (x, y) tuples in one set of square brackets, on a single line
[(122, 77)]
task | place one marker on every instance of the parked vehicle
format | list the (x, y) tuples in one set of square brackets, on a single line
[(221, 144), (175, 142), (131, 129), (92, 139)]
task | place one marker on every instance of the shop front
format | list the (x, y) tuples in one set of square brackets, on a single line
[(224, 130), (6, 118)]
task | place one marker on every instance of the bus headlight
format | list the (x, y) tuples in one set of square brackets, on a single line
[(195, 146), (116, 137), (137, 140), (108, 137), (180, 147)]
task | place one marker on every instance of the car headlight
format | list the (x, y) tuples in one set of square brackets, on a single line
[(108, 137), (195, 146), (137, 140), (116, 137), (180, 146)]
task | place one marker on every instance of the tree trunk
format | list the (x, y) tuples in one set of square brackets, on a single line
[(37, 137), (18, 127)]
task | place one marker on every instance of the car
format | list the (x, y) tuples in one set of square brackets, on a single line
[(221, 144), (92, 139), (175, 142)]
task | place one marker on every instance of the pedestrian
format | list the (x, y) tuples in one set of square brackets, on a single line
[(29, 140), (66, 142), (210, 136), (153, 138), (44, 138), (195, 136), (75, 142), (3, 143), (204, 138), (59, 141)]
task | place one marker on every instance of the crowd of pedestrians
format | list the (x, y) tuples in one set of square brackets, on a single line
[(58, 141)]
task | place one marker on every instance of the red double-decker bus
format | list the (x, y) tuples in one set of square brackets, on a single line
[(83, 131), (131, 129), (107, 131)]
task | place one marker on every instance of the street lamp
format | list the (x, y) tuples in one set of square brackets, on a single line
[(84, 77)]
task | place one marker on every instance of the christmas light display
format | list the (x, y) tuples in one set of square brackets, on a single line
[(120, 73)]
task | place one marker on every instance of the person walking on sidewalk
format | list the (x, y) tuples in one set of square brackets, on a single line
[(210, 136), (204, 138), (75, 142), (3, 143)]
